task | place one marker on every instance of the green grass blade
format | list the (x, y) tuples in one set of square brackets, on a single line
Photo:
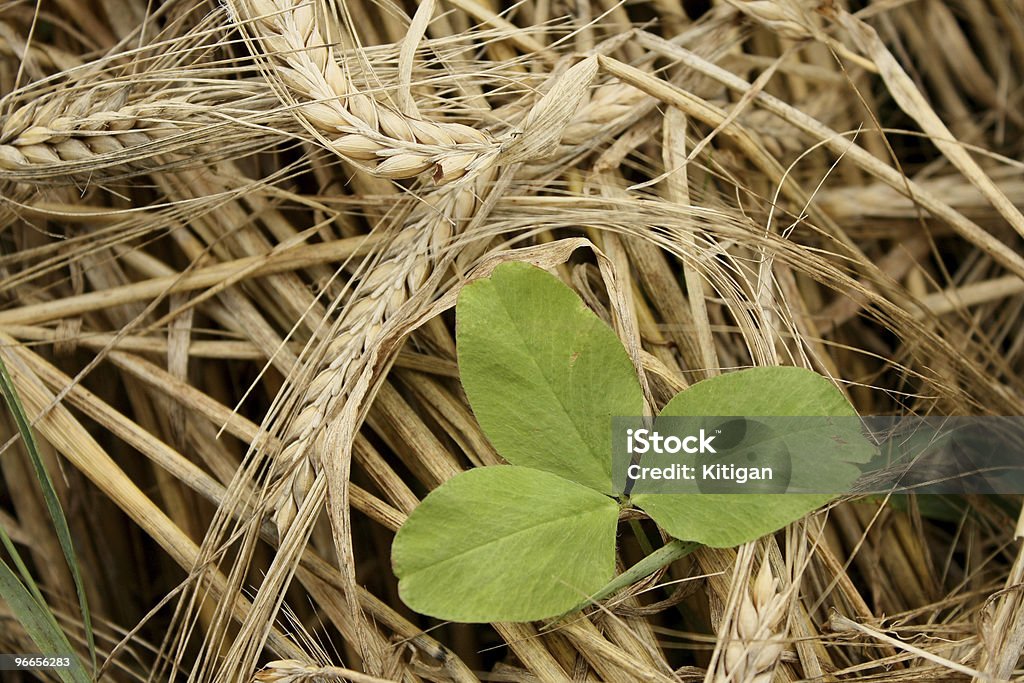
[(26, 576), (30, 609), (53, 506), (38, 622)]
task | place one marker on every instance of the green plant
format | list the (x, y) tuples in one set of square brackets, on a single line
[(535, 539), (17, 588)]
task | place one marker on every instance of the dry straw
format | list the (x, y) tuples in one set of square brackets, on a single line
[(178, 180)]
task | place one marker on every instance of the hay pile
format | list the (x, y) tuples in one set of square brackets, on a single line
[(232, 233)]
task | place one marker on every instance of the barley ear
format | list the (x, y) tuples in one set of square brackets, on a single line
[(755, 642)]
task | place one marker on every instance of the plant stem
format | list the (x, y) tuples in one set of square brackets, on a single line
[(662, 557)]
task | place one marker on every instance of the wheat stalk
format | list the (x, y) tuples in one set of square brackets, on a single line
[(390, 144), (105, 115), (326, 411), (328, 405), (754, 643)]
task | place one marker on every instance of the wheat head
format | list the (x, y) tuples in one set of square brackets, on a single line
[(754, 644), (295, 671), (108, 128), (394, 278), (56, 130), (384, 141)]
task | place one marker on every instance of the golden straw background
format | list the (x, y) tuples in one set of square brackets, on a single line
[(233, 232)]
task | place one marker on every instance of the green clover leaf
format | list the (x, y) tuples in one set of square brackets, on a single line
[(545, 376)]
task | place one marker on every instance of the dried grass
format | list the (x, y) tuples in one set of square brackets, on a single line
[(233, 235)]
